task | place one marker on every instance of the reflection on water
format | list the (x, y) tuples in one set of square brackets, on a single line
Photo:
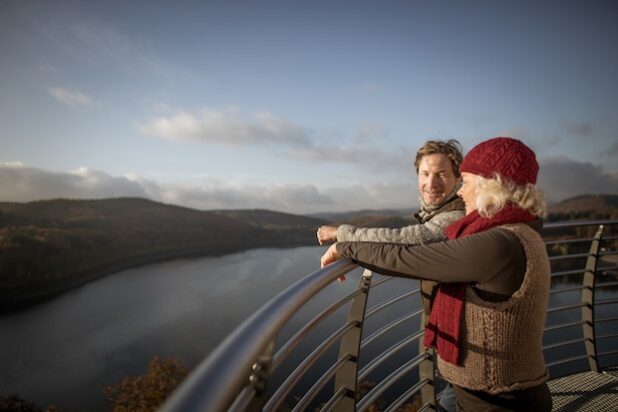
[(63, 351)]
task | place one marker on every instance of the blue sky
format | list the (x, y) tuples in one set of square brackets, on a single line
[(299, 106)]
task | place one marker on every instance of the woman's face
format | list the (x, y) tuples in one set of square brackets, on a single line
[(468, 191)]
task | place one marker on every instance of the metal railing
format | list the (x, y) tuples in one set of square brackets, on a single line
[(261, 366)]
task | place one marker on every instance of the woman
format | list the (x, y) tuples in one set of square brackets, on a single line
[(487, 320)]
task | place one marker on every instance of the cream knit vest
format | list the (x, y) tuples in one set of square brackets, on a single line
[(502, 341)]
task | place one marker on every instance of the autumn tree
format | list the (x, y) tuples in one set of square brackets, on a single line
[(147, 392)]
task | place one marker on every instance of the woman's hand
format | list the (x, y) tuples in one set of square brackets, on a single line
[(330, 256)]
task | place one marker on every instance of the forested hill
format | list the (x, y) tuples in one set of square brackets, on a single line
[(603, 206), (49, 246), (269, 219)]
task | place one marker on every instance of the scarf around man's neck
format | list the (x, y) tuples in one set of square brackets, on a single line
[(443, 330), (451, 202)]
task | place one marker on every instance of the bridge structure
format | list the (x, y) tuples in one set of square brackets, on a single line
[(319, 346)]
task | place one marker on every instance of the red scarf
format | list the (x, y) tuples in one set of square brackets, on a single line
[(443, 329)]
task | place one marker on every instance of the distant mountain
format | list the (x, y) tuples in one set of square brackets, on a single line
[(382, 221), (269, 219), (358, 215), (49, 246), (585, 206)]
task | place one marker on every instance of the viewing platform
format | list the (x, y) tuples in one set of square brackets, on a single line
[(322, 346), (586, 391)]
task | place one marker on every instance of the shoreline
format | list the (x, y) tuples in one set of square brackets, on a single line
[(28, 298)]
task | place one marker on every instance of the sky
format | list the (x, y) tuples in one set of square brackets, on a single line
[(297, 106)]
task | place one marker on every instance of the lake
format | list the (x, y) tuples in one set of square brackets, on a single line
[(63, 351)]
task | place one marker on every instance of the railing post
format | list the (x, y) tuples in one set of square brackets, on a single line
[(427, 370), (588, 300), (258, 378), (350, 345)]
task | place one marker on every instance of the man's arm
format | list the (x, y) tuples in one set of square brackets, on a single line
[(428, 232)]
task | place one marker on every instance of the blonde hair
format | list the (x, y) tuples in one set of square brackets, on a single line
[(451, 148), (493, 194)]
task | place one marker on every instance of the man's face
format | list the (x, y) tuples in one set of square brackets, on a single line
[(436, 178)]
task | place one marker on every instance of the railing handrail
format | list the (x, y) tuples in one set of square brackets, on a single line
[(578, 223), (213, 384), (230, 368)]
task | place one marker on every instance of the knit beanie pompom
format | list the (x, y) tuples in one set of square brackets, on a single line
[(508, 157)]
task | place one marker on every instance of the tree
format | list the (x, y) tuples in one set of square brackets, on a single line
[(147, 392)]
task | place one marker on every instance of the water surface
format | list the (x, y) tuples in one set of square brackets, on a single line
[(65, 350)]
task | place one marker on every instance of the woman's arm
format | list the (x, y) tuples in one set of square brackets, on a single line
[(475, 258)]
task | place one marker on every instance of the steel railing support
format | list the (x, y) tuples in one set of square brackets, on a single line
[(234, 377), (260, 371), (588, 301), (427, 370), (346, 377)]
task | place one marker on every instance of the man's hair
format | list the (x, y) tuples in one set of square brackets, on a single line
[(451, 148)]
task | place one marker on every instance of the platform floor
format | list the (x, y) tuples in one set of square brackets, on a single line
[(586, 391)]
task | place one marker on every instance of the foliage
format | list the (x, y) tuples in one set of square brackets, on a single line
[(50, 246), (147, 392), (14, 403)]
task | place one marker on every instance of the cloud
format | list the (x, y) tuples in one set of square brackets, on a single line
[(72, 98), (294, 198), (612, 150), (577, 129), (131, 55), (390, 195), (562, 178), (22, 184), (373, 131), (363, 157), (231, 127), (82, 40), (369, 88), (226, 127), (14, 165)]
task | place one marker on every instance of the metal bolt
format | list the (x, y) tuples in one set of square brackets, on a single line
[(253, 378)]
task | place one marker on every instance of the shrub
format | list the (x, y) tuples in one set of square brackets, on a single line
[(14, 403), (147, 392)]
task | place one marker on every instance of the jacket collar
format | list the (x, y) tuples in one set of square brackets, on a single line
[(452, 202)]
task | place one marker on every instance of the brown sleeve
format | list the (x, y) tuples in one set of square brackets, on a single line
[(474, 258)]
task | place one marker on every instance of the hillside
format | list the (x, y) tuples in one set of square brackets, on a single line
[(603, 206), (50, 246), (381, 221), (269, 219), (294, 229), (369, 214)]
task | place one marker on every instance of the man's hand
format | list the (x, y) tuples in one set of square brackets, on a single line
[(327, 234), (330, 256)]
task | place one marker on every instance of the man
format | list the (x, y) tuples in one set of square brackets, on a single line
[(437, 165)]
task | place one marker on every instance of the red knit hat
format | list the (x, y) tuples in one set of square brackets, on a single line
[(508, 157)]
